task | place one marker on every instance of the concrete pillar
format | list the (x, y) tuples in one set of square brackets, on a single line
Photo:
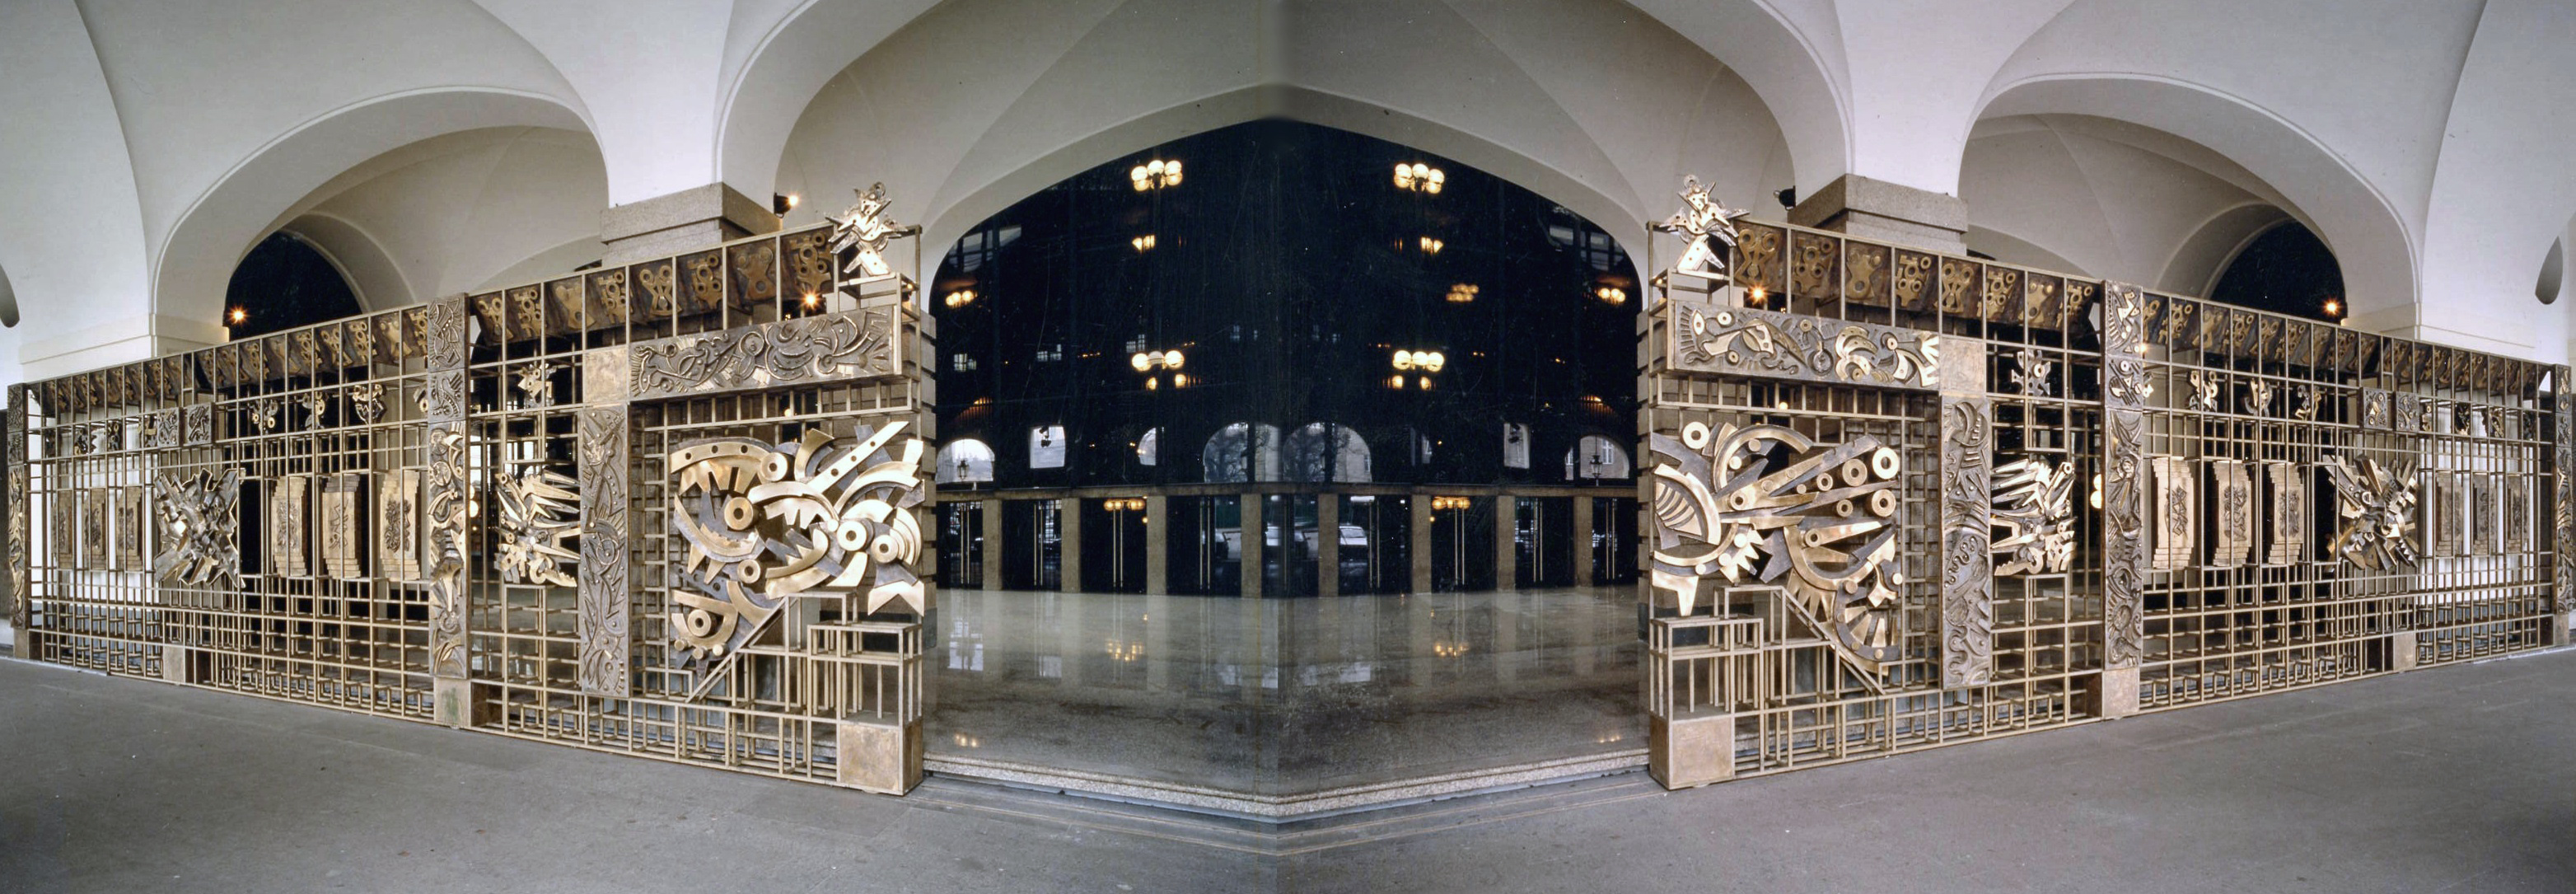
[(1158, 544), (1328, 545), (1507, 554), (681, 221), (1877, 209), (1254, 535), (1068, 526), (992, 547), (1582, 541), (1421, 551)]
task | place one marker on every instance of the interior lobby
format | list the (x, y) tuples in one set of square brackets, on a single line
[(1286, 445)]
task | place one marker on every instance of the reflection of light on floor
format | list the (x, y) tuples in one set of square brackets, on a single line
[(1128, 651), (1608, 738), (1447, 649), (1051, 666), (967, 741)]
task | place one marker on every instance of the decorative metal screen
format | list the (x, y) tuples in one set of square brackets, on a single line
[(2107, 500), (668, 508)]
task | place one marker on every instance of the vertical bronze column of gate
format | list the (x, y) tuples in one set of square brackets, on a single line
[(2125, 386), (2563, 541), (14, 452), (606, 564), (444, 405), (1967, 511)]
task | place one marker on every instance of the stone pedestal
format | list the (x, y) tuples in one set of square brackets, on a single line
[(1507, 554), (2119, 692), (1328, 545), (684, 220), (991, 560), (1691, 750), (453, 704), (1158, 545), (1254, 538), (1876, 209), (1420, 550), (880, 755), (1582, 541), (1068, 526)]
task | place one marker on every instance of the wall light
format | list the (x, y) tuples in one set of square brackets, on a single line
[(2334, 307), (1451, 504), (1420, 177), (1611, 294), (1426, 361), (1431, 246), (1142, 242), (1155, 174), (1462, 293), (959, 298), (237, 317), (782, 202)]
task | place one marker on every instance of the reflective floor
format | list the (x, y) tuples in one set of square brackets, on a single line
[(1287, 696)]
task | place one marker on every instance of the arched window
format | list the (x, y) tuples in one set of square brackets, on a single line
[(965, 461), (1148, 447), (1241, 452), (1324, 451), (1596, 457), (2285, 270), (283, 283)]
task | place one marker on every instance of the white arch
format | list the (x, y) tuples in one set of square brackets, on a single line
[(1241, 452), (964, 461), (2363, 227), (211, 236), (979, 103), (1327, 451), (1596, 457), (2197, 263), (362, 260)]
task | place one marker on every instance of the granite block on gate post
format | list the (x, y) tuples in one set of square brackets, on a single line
[(1967, 558), (2125, 388), (604, 603)]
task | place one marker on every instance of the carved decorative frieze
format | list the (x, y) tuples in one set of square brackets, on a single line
[(288, 526), (2287, 533), (2562, 542), (445, 503), (2177, 513), (604, 602), (200, 518), (2231, 494), (343, 539), (538, 515), (2374, 512), (1820, 523), (1770, 344), (13, 449), (2035, 505), (129, 529), (199, 425), (94, 525), (765, 524), (397, 529), (1706, 225), (848, 346), (2123, 475), (1967, 562)]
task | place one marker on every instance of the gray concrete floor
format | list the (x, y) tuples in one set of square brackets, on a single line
[(2452, 779)]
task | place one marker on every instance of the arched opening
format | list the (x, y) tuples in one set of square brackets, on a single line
[(1278, 359), (2286, 270), (284, 283)]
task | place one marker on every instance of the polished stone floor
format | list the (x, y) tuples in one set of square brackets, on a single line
[(2451, 779), (1275, 697)]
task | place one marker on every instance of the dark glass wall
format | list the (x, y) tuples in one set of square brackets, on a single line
[(1287, 269)]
